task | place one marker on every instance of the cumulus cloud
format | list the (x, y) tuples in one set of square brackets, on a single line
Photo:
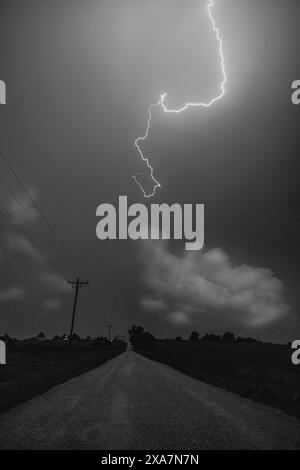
[(23, 246), (207, 282), (55, 281), (179, 317), (11, 293), (19, 209), (23, 263), (52, 304), (152, 304)]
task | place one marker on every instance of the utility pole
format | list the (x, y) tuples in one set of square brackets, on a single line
[(109, 328), (76, 285)]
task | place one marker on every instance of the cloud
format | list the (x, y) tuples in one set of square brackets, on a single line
[(52, 304), (56, 281), (179, 317), (25, 264), (201, 283), (19, 209), (11, 293), (152, 304), (23, 246)]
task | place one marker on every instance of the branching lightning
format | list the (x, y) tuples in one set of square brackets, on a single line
[(161, 103)]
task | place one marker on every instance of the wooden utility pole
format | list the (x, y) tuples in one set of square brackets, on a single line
[(109, 328), (76, 285)]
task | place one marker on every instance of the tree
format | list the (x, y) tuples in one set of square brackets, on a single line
[(100, 342), (135, 331), (228, 337), (7, 339), (140, 339), (56, 338), (194, 336), (246, 340), (211, 337), (74, 337)]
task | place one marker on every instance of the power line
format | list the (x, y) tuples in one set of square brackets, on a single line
[(72, 262), (16, 198), (24, 234), (4, 213), (6, 216), (42, 214), (10, 222)]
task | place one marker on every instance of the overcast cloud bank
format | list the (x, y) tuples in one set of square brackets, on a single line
[(207, 282)]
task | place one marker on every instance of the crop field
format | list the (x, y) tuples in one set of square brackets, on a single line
[(33, 369), (262, 372)]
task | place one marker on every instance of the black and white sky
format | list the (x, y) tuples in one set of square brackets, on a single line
[(80, 77)]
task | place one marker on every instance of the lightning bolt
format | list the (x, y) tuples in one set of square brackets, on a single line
[(161, 103)]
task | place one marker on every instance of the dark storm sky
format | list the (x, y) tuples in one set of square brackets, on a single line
[(80, 76)]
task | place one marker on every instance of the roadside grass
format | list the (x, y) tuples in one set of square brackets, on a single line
[(262, 372), (34, 369)]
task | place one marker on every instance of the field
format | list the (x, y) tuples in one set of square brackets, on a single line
[(262, 372), (33, 369)]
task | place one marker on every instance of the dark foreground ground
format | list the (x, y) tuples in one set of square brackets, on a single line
[(34, 369), (263, 372), (132, 403)]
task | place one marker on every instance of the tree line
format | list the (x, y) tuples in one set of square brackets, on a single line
[(143, 340)]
